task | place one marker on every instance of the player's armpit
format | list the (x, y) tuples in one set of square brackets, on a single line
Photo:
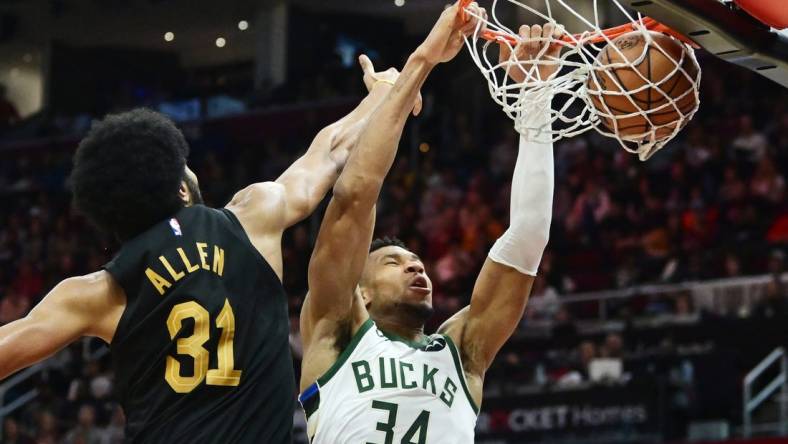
[(311, 326), (332, 312), (455, 325), (497, 305), (90, 305)]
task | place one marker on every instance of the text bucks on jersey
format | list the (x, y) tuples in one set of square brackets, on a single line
[(384, 389)]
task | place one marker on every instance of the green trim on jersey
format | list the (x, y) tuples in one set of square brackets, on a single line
[(458, 363), (346, 352), (425, 340)]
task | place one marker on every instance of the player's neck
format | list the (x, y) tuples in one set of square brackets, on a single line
[(397, 327)]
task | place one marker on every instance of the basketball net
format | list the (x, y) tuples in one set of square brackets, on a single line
[(574, 112)]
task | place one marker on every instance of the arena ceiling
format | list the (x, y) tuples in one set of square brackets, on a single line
[(28, 26)]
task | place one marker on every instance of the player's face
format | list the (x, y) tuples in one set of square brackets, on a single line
[(396, 276)]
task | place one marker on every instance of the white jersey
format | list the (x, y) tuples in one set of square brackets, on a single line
[(387, 390)]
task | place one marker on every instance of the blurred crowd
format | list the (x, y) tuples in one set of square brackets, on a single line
[(710, 205)]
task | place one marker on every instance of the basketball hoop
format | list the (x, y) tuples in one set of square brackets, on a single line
[(576, 89)]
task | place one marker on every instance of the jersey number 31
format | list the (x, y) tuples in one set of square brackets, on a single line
[(193, 346)]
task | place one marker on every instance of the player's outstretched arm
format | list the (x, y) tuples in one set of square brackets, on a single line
[(89, 305), (346, 232), (266, 209), (309, 178), (504, 283)]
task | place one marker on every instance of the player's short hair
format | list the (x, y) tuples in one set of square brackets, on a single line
[(386, 242), (128, 170)]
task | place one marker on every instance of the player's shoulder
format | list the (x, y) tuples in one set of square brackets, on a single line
[(266, 193), (91, 291), (96, 283), (260, 205), (95, 299)]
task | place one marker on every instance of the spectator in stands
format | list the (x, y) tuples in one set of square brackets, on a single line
[(578, 370), (85, 431), (586, 352), (733, 188), (732, 265), (564, 330), (29, 283), (9, 115), (591, 207), (776, 262), (100, 394), (775, 302), (114, 433), (504, 154), (13, 306), (683, 310), (656, 306), (12, 434), (767, 184), (613, 346), (544, 302), (750, 144), (46, 428)]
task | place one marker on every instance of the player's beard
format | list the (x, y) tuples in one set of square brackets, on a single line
[(415, 314), (194, 190)]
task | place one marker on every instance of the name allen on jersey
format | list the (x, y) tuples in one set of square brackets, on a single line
[(176, 273)]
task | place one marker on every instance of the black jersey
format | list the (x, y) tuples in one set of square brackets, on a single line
[(201, 353)]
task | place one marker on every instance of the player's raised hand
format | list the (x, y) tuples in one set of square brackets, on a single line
[(388, 77), (533, 44), (446, 38)]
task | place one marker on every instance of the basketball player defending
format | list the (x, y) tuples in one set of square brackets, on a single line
[(193, 304), (370, 375)]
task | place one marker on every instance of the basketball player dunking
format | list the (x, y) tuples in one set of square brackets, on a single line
[(192, 304), (369, 373)]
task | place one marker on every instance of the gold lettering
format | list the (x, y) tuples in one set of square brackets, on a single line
[(203, 255), (176, 275), (159, 282), (189, 267), (218, 260)]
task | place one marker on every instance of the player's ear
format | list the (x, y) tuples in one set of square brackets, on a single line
[(184, 193), (365, 295)]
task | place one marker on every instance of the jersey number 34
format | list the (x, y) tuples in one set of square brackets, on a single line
[(193, 346), (417, 432)]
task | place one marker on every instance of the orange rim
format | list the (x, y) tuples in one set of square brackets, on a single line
[(611, 33)]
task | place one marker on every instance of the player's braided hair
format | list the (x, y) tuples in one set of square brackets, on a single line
[(386, 242), (127, 172)]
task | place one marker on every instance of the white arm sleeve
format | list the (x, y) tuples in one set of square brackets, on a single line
[(522, 245)]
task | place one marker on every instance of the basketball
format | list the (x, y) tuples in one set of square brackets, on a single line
[(618, 93)]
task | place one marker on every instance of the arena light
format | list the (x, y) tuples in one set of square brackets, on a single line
[(169, 36), (220, 42), (243, 25), (399, 3)]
